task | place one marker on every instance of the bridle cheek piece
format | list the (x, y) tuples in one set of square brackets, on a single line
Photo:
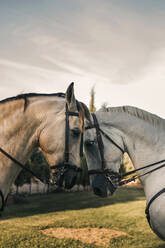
[(111, 176), (62, 169)]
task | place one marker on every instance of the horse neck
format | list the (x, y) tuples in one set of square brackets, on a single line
[(18, 138), (19, 132), (143, 141), (145, 145)]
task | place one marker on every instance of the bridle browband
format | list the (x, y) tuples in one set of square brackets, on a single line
[(63, 167), (111, 175)]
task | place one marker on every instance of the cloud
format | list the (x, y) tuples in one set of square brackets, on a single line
[(116, 45), (113, 41), (19, 78)]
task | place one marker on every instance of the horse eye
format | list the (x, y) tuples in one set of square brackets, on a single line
[(76, 132), (89, 142)]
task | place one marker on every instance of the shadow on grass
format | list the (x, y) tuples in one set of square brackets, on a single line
[(160, 246), (54, 202)]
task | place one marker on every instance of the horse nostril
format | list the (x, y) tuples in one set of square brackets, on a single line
[(71, 183), (97, 191)]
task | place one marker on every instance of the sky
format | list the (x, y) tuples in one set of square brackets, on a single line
[(115, 46)]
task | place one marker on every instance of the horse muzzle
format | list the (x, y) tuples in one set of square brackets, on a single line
[(101, 184), (65, 175)]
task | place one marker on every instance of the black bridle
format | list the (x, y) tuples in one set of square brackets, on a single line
[(112, 176), (60, 169), (66, 161), (108, 173)]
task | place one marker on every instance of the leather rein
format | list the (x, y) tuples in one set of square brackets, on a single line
[(63, 167), (111, 175)]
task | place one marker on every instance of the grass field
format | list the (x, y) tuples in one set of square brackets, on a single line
[(21, 223)]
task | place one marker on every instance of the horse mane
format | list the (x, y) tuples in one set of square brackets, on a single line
[(82, 108), (26, 96), (29, 95), (138, 113), (83, 112)]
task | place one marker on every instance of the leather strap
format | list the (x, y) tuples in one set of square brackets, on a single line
[(3, 201), (150, 202), (99, 141)]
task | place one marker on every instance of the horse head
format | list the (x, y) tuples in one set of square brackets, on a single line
[(61, 138), (103, 155)]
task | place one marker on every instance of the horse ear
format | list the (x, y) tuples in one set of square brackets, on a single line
[(70, 98)]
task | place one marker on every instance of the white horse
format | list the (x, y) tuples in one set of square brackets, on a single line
[(142, 135), (53, 122)]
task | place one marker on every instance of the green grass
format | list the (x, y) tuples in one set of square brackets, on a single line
[(20, 224)]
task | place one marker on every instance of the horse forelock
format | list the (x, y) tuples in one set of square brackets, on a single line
[(83, 113)]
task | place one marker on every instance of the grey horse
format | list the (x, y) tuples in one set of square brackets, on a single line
[(140, 134)]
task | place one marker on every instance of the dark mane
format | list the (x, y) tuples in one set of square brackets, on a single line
[(28, 95)]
